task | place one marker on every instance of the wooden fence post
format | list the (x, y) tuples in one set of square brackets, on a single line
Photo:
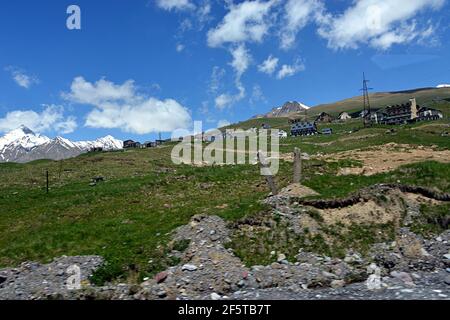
[(269, 177), (297, 165)]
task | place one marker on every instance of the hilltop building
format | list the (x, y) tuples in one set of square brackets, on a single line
[(427, 114), (324, 117), (127, 144), (327, 131), (405, 113), (302, 128), (282, 134), (344, 116), (149, 144)]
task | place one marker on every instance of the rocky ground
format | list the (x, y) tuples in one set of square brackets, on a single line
[(409, 268), (210, 271)]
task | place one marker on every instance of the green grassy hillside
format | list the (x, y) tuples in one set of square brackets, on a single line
[(128, 217), (283, 123), (429, 97)]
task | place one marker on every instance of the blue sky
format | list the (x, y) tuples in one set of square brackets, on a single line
[(139, 67)]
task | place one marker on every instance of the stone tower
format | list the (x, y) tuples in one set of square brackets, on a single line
[(413, 108)]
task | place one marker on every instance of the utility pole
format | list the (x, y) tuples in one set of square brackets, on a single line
[(367, 113)]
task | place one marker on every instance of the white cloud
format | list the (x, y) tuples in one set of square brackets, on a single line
[(175, 4), (102, 91), (246, 21), (297, 14), (50, 119), (185, 25), (240, 63), (289, 70), (121, 107), (269, 65), (377, 23), (67, 126), (204, 12), (21, 78), (224, 100), (241, 60)]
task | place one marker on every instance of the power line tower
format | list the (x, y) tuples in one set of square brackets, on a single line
[(367, 113)]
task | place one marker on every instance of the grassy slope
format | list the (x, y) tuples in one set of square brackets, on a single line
[(350, 105), (424, 97), (127, 218)]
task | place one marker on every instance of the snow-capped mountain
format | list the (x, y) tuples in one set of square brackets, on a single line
[(23, 145), (288, 109), (443, 86), (23, 137), (107, 143)]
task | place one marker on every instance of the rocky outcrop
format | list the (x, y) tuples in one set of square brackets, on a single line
[(33, 280), (412, 268)]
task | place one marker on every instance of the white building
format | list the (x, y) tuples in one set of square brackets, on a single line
[(282, 134), (344, 116)]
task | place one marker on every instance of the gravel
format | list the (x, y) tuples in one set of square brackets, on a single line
[(208, 270)]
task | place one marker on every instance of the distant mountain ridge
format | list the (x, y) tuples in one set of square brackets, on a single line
[(23, 145), (290, 108)]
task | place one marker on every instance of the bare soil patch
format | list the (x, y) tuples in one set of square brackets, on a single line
[(388, 157), (298, 190)]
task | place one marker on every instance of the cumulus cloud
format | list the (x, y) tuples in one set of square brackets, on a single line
[(297, 14), (102, 91), (21, 78), (289, 70), (175, 4), (246, 21), (67, 126), (380, 24), (121, 106), (224, 100), (269, 65), (50, 119)]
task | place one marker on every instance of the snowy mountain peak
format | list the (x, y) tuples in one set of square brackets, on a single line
[(287, 109), (23, 145), (23, 137)]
